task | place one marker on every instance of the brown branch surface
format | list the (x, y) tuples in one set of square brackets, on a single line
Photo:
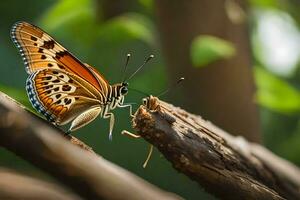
[(87, 174), (15, 106), (226, 166), (16, 186)]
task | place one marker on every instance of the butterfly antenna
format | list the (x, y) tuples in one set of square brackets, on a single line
[(145, 62), (171, 87), (139, 91), (125, 67)]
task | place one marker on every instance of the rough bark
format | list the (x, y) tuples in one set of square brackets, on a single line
[(226, 166), (15, 106), (16, 186), (222, 87), (87, 174)]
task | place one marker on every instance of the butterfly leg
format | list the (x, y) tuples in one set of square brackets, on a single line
[(111, 123), (132, 135), (130, 108), (148, 156), (135, 136)]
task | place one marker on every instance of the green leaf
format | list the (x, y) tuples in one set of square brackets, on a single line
[(148, 4), (265, 3), (206, 49), (66, 10), (126, 27), (68, 18), (276, 94)]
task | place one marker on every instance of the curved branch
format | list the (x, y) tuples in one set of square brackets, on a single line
[(87, 174), (228, 167), (14, 105), (16, 186)]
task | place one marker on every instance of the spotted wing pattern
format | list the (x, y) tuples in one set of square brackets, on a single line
[(41, 51), (60, 96), (59, 86)]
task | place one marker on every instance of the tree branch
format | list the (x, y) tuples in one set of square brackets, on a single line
[(226, 166), (87, 174), (15, 106), (17, 186)]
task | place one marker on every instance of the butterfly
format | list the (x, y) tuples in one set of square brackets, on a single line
[(60, 86)]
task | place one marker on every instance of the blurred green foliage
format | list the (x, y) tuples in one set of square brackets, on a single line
[(275, 93), (104, 43), (80, 18), (206, 49), (148, 4), (265, 3), (66, 11), (278, 95)]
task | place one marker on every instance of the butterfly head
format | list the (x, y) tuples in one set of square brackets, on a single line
[(124, 88)]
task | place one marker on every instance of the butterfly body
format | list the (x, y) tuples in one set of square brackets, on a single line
[(61, 87)]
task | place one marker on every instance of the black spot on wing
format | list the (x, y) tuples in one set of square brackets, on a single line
[(60, 54), (66, 88), (67, 101), (33, 38), (48, 44), (60, 66)]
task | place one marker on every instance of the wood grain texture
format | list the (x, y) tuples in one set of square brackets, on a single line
[(228, 167), (85, 173)]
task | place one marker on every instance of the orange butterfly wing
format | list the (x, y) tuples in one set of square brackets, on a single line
[(41, 51), (59, 85), (60, 96)]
